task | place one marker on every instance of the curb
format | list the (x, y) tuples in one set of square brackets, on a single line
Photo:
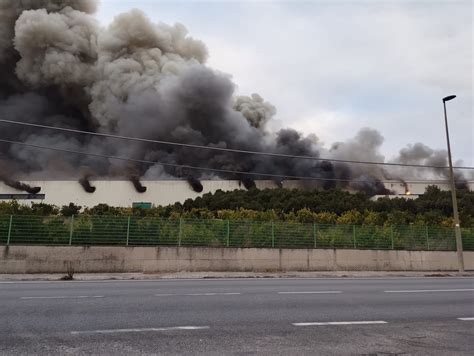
[(229, 275)]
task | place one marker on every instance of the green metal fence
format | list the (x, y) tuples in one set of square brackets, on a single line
[(134, 231)]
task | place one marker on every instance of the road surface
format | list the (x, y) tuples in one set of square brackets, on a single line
[(432, 316)]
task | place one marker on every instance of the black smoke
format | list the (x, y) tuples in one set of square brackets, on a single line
[(369, 186), (139, 187), (248, 183), (20, 186), (195, 184), (86, 184)]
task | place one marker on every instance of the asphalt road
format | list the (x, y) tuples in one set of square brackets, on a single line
[(432, 316)]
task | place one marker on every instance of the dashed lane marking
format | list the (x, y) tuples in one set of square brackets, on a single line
[(195, 294), (428, 290), (65, 297), (341, 323), (314, 292), (138, 330)]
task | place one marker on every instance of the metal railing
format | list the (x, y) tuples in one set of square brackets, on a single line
[(135, 231)]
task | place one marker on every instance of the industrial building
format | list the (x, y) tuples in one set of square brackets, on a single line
[(123, 193)]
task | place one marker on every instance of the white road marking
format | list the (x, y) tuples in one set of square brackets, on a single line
[(195, 294), (466, 319), (428, 290), (341, 323), (314, 292), (137, 330), (65, 297)]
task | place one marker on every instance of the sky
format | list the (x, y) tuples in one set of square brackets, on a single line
[(334, 67)]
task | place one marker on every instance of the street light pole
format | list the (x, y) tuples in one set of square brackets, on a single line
[(457, 227)]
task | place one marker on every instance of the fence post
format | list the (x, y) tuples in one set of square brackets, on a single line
[(128, 230), (228, 233), (391, 236), (180, 231), (273, 234), (9, 230), (354, 235), (315, 234), (427, 238), (71, 229)]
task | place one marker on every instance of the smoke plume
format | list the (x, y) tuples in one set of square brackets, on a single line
[(248, 183), (195, 184), (138, 78), (86, 184), (139, 187), (422, 154), (20, 186)]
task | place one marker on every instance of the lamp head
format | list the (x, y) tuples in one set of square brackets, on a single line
[(448, 98)]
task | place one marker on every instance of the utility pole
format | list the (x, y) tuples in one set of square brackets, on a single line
[(457, 226)]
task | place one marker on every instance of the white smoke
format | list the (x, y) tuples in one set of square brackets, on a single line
[(134, 55), (257, 111), (56, 48), (10, 10)]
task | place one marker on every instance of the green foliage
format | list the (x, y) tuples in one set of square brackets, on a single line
[(102, 209), (9, 208), (373, 218), (71, 209), (351, 217), (434, 208), (137, 230), (398, 217), (305, 216), (326, 218)]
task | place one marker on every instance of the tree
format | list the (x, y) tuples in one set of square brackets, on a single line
[(326, 218), (102, 209), (44, 209), (71, 209), (373, 218), (305, 216), (351, 217)]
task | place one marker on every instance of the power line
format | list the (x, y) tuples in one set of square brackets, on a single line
[(207, 168), (270, 154)]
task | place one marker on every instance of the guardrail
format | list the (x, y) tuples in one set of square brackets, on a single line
[(134, 231)]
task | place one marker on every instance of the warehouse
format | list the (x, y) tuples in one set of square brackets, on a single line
[(123, 193)]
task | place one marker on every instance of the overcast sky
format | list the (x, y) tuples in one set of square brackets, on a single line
[(333, 67)]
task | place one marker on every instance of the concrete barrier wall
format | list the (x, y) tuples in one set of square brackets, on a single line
[(89, 259)]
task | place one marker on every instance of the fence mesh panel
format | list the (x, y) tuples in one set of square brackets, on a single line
[(151, 231), (373, 237), (41, 230), (100, 230), (4, 224), (203, 233), (293, 235), (135, 230)]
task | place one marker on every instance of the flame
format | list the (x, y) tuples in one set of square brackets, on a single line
[(407, 192)]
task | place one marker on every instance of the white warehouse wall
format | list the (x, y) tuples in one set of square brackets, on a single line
[(122, 192), (159, 192)]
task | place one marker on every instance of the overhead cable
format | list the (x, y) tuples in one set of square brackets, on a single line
[(270, 154), (259, 174)]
